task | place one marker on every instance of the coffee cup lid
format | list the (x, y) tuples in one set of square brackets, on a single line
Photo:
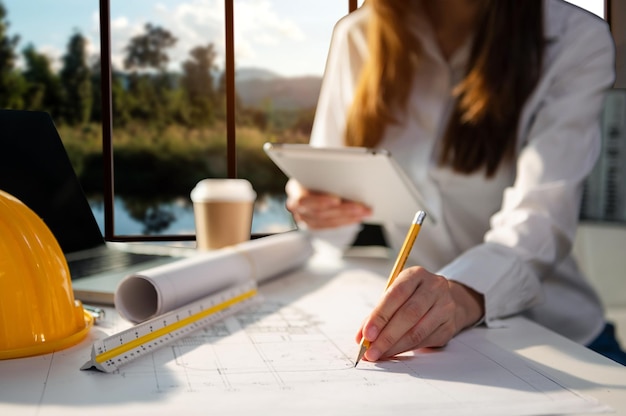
[(223, 190)]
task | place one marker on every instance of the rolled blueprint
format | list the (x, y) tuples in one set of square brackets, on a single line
[(158, 290)]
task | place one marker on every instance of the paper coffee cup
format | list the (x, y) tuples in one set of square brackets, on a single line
[(223, 210)]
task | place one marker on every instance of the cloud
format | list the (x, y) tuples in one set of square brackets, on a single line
[(258, 26), (263, 28)]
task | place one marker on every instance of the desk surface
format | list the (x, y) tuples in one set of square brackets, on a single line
[(294, 355)]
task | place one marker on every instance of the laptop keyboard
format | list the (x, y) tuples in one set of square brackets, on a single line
[(106, 261)]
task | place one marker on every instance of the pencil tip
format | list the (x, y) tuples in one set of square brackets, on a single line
[(361, 352)]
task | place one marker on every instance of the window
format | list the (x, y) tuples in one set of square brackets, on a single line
[(278, 44), (275, 50), (248, 117)]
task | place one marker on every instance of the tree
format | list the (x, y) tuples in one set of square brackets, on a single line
[(149, 50), (150, 93), (11, 82), (43, 85), (199, 85), (76, 81), (144, 100)]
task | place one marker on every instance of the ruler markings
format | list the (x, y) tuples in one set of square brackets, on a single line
[(159, 331)]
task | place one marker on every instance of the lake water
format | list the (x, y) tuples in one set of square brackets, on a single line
[(176, 216)]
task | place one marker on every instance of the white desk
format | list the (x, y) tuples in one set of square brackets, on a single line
[(235, 370)]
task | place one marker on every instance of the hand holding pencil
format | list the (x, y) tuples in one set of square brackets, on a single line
[(416, 225), (418, 308)]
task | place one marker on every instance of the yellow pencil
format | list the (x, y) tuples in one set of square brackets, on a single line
[(416, 225)]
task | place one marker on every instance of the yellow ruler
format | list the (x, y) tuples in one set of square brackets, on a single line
[(110, 353)]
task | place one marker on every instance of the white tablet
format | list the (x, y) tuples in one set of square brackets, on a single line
[(370, 176)]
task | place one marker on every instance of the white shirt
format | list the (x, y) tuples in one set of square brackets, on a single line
[(508, 237)]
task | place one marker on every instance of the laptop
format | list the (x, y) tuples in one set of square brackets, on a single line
[(35, 168)]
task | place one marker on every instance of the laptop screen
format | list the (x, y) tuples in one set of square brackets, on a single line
[(35, 168)]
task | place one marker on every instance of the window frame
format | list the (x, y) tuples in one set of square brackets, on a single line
[(107, 119)]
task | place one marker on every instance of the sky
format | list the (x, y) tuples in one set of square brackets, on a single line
[(288, 37)]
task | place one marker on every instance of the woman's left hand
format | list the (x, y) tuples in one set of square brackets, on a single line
[(419, 309)]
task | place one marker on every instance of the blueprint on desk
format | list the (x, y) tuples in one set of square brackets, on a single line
[(292, 354)]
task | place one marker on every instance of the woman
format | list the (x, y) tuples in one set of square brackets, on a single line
[(492, 108)]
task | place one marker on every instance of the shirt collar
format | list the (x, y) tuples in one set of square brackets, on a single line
[(425, 34)]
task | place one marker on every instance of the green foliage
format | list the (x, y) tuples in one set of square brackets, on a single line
[(169, 130), (199, 86), (12, 85), (44, 90), (145, 93), (148, 51), (76, 80), (168, 162)]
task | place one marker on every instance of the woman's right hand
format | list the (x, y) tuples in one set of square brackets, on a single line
[(321, 210)]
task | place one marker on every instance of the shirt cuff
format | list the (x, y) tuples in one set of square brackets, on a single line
[(508, 285)]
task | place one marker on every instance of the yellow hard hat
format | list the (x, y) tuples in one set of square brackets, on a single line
[(38, 312)]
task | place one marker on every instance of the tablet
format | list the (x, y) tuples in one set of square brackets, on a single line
[(370, 176)]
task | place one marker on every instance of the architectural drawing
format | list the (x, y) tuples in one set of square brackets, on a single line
[(293, 354)]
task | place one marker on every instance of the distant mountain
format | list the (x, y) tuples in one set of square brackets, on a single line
[(246, 74), (260, 88)]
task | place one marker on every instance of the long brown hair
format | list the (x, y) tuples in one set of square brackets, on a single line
[(503, 68)]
